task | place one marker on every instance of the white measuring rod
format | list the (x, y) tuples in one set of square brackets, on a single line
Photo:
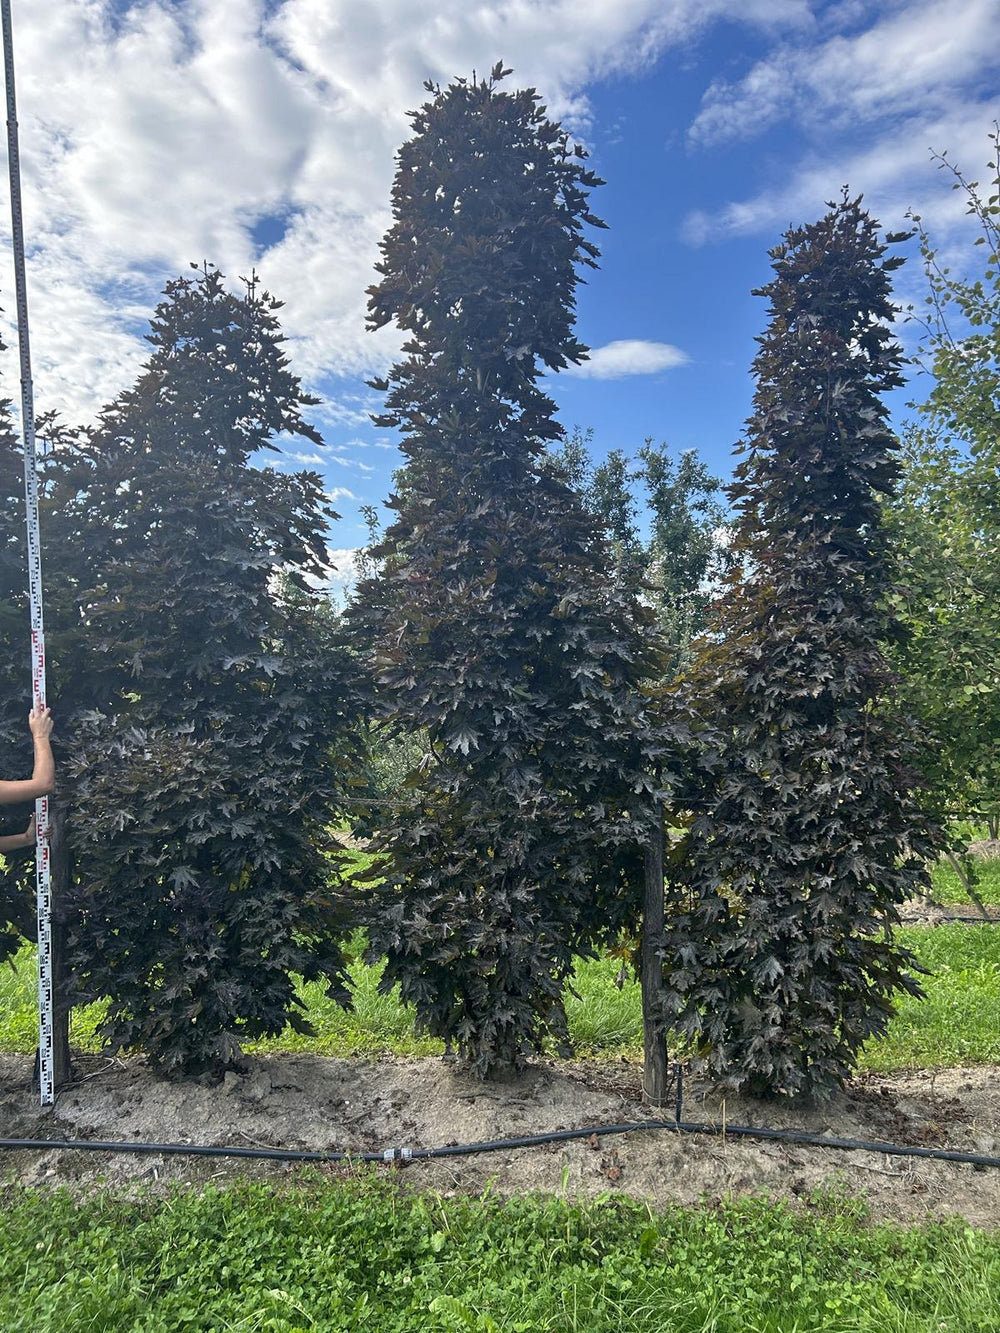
[(43, 869)]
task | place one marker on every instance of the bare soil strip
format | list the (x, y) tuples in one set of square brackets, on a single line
[(314, 1102), (918, 913)]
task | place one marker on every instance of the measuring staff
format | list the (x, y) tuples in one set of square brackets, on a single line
[(43, 869)]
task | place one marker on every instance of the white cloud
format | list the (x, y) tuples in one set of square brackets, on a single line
[(925, 55), (156, 133), (310, 460), (342, 573), (628, 356), (340, 493), (349, 409), (871, 101), (343, 568), (894, 173)]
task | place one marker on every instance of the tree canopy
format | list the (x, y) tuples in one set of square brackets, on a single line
[(945, 522), (199, 688), (806, 834), (667, 529), (493, 628)]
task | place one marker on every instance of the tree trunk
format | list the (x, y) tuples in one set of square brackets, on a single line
[(993, 827), (507, 1065), (654, 1078), (959, 869)]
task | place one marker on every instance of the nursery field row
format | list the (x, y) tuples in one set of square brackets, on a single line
[(957, 1023)]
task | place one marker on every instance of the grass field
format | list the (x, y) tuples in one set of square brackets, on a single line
[(948, 887), (331, 1256), (336, 1254), (958, 1022)]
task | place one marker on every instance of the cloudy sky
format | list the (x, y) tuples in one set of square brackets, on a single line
[(262, 132)]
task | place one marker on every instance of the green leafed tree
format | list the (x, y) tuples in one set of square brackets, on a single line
[(945, 522), (688, 550), (780, 957), (203, 698), (666, 527), (492, 627), (949, 662)]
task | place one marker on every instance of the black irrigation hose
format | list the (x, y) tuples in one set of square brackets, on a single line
[(528, 1141), (677, 1126)]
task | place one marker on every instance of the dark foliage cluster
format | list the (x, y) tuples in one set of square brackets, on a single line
[(784, 890), (201, 889), (210, 726), (199, 686), (493, 627)]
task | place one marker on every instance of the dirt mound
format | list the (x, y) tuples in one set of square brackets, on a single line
[(313, 1102), (921, 912)]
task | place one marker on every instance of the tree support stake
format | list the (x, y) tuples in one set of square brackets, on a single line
[(655, 1077)]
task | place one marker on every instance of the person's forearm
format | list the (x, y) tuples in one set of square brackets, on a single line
[(41, 782), (44, 775), (14, 842)]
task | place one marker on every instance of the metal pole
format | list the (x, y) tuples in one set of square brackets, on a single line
[(43, 877)]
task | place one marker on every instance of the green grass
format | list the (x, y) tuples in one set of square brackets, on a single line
[(331, 1256), (375, 1024), (601, 1017), (948, 887), (957, 1023)]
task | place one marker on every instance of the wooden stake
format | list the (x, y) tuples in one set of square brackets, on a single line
[(655, 1090)]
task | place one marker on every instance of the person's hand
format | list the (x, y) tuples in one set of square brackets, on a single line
[(40, 722), (29, 833)]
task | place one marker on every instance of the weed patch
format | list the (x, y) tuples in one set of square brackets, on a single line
[(340, 1256)]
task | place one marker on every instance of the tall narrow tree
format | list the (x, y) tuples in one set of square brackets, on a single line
[(494, 630), (199, 690), (780, 957)]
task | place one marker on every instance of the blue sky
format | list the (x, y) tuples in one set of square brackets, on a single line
[(161, 131), (656, 285), (662, 280)]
